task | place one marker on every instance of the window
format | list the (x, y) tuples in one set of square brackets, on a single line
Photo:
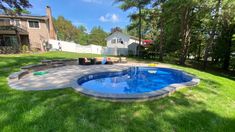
[(4, 22), (113, 41), (17, 22), (12, 22), (120, 40), (33, 24), (8, 41)]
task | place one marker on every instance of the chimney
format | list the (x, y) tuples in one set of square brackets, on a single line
[(52, 32)]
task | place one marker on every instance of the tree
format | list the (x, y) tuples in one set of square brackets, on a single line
[(14, 6), (116, 29), (225, 31), (185, 33), (83, 37), (160, 6), (98, 36), (212, 32), (68, 32), (151, 31), (176, 15), (187, 29), (139, 4), (65, 29)]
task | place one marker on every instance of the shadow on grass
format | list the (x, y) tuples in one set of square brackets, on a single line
[(66, 110), (213, 71), (201, 120), (210, 87), (18, 61), (9, 64)]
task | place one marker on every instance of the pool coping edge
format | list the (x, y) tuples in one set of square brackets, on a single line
[(135, 97)]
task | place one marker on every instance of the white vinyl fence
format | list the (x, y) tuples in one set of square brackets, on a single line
[(115, 51), (73, 47)]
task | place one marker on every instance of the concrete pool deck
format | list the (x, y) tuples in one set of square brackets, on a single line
[(67, 77), (63, 77)]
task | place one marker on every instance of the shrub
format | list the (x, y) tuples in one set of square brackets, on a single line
[(25, 49)]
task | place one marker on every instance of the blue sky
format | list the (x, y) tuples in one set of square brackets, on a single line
[(89, 13)]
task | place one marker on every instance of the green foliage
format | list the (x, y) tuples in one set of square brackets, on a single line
[(14, 6), (25, 49), (66, 31), (83, 37), (35, 50), (148, 24), (207, 107), (199, 28), (22, 11), (138, 4), (233, 37), (128, 4), (98, 36)]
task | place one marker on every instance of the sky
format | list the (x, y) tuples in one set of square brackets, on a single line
[(90, 13)]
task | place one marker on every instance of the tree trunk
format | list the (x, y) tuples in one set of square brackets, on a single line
[(199, 53), (140, 34), (185, 35), (228, 36), (18, 40), (212, 36), (161, 38), (206, 56)]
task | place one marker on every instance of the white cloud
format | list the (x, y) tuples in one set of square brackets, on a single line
[(109, 18), (115, 18), (93, 1)]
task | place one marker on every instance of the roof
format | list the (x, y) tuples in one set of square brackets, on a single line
[(148, 41), (132, 37), (24, 17), (11, 30)]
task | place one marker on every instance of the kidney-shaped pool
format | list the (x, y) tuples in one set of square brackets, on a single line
[(135, 83)]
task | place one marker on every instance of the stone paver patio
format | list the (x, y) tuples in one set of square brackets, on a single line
[(64, 77), (67, 76)]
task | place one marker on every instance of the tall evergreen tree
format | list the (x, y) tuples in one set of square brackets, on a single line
[(139, 4), (14, 6)]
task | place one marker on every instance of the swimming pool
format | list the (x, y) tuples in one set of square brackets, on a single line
[(134, 83)]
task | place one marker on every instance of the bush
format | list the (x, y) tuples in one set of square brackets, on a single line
[(130, 53), (232, 63), (25, 49), (35, 50)]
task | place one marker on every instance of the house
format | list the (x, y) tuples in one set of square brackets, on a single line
[(119, 43), (31, 31)]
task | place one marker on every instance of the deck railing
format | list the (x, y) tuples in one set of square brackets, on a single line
[(9, 24), (5, 23)]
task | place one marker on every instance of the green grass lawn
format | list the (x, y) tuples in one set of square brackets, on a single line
[(210, 106)]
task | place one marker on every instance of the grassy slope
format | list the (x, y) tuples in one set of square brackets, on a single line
[(207, 107)]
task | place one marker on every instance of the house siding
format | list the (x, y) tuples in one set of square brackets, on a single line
[(117, 35), (37, 36), (129, 44)]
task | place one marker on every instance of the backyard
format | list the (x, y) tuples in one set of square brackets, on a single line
[(206, 107)]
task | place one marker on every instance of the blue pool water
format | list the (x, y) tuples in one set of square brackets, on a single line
[(132, 81)]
